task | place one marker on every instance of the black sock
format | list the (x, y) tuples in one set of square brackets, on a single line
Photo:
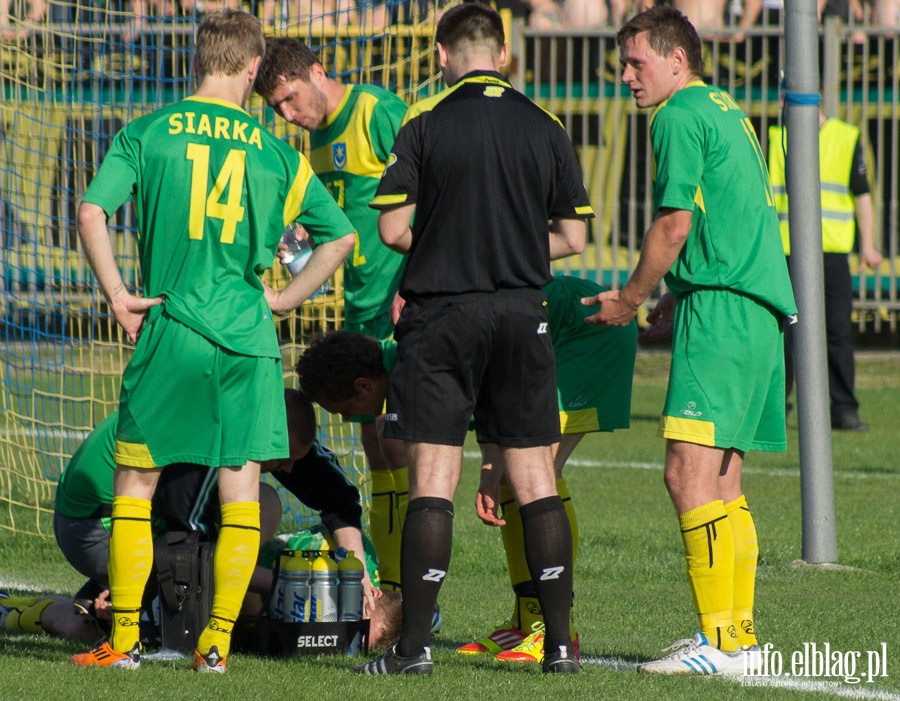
[(424, 559), (548, 551)]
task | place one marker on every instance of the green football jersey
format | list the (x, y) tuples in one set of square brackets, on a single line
[(348, 153), (87, 481), (213, 191), (707, 160)]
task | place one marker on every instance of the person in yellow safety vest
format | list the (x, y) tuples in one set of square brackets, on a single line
[(846, 209)]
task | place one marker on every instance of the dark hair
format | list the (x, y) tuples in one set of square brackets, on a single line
[(301, 416), (285, 60), (470, 24), (668, 29), (226, 43), (332, 362)]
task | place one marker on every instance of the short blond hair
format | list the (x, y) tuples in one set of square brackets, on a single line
[(226, 43)]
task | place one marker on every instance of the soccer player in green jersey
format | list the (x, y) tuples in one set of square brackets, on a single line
[(351, 130), (213, 192), (715, 238)]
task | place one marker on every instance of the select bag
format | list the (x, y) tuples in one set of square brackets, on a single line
[(184, 572)]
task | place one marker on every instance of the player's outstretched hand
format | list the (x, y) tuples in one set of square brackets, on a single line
[(660, 320), (614, 310)]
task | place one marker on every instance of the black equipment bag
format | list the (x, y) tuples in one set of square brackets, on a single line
[(184, 571)]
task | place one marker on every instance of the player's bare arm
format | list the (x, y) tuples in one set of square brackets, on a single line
[(325, 259), (567, 237), (128, 309), (393, 227), (663, 242)]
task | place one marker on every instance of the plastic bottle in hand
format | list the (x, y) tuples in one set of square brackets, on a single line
[(298, 252)]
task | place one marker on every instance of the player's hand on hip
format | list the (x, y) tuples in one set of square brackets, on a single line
[(130, 312), (660, 319), (396, 308)]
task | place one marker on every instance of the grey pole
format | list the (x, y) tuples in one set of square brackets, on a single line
[(801, 120)]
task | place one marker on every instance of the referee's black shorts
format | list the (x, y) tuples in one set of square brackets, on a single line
[(482, 355)]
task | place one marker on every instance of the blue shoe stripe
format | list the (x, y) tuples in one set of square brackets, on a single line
[(693, 666), (712, 667), (700, 665)]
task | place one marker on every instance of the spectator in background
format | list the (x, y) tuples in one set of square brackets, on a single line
[(16, 21), (845, 198), (886, 13)]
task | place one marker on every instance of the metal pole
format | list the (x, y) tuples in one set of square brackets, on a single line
[(801, 120)]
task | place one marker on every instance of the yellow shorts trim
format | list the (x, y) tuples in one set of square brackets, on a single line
[(579, 421), (133, 455), (696, 431)]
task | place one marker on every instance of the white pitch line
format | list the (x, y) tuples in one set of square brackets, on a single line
[(849, 691), (19, 585), (765, 471)]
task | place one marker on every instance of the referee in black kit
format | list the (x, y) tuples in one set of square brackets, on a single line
[(485, 170)]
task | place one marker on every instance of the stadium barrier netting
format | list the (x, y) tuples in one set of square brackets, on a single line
[(70, 81)]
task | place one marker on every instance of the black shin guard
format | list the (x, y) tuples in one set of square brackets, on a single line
[(424, 559), (548, 550)]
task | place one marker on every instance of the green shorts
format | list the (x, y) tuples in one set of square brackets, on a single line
[(186, 399), (726, 384), (594, 374), (382, 328)]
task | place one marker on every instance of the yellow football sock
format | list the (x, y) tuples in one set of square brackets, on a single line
[(401, 485), (746, 554), (563, 490), (23, 613), (527, 609), (513, 538), (235, 559), (130, 564), (709, 550), (384, 527)]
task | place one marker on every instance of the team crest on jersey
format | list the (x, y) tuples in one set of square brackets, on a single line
[(339, 155), (494, 91)]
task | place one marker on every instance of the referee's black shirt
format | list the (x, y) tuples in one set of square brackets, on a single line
[(487, 169)]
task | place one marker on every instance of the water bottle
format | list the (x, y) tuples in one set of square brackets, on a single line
[(298, 252), (297, 594), (350, 589), (350, 596), (324, 589), (276, 603)]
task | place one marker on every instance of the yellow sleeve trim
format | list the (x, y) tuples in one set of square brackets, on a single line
[(382, 200), (133, 455), (586, 211), (677, 428), (293, 203)]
